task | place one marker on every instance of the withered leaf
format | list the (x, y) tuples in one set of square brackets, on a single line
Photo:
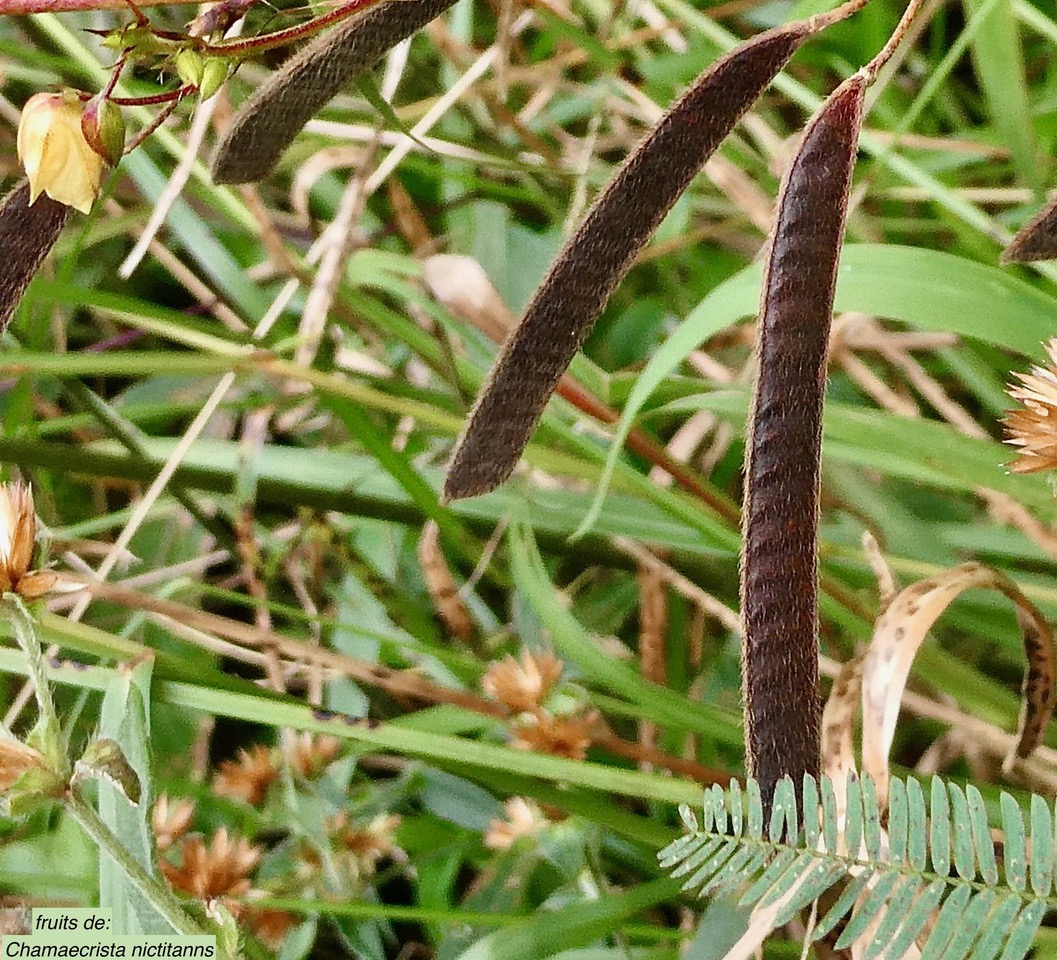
[(593, 261), (268, 122), (780, 562)]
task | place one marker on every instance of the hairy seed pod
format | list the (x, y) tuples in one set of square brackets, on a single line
[(268, 122), (780, 561), (28, 231), (1037, 239), (592, 263)]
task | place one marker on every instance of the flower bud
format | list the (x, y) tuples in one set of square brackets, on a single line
[(54, 152), (214, 74), (103, 126), (189, 65)]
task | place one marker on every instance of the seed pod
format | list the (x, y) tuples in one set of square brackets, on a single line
[(780, 562), (268, 122), (28, 231), (1037, 239), (595, 259)]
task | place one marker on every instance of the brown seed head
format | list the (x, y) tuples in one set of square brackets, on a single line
[(247, 778), (1032, 428), (310, 754), (170, 819), (561, 736), (15, 759), (222, 869), (523, 819), (522, 686)]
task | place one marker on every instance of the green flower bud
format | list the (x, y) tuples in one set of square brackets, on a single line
[(213, 76), (189, 65), (103, 126)]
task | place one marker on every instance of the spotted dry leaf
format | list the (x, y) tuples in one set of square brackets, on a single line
[(898, 635), (267, 123)]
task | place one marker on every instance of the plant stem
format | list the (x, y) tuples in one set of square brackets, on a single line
[(160, 897)]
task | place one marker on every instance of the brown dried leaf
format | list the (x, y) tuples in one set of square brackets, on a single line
[(592, 263), (780, 563), (268, 122), (900, 631), (27, 234)]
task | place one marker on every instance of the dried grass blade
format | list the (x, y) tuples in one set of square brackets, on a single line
[(268, 122), (780, 563), (28, 231), (593, 261), (1036, 240), (441, 585)]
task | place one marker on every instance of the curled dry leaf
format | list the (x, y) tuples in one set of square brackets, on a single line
[(898, 635), (268, 122), (441, 584), (1036, 240), (779, 562), (27, 234), (838, 724), (592, 263)]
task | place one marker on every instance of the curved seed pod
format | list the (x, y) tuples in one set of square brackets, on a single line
[(27, 234), (596, 257), (779, 560), (1036, 240), (268, 122)]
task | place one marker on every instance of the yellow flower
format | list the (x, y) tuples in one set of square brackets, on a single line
[(18, 530), (56, 157)]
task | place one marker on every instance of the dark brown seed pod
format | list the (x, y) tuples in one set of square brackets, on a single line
[(1037, 239), (27, 234), (779, 560), (268, 122), (592, 263)]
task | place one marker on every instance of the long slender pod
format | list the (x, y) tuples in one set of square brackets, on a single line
[(28, 231), (1036, 240), (593, 261), (268, 122), (780, 559)]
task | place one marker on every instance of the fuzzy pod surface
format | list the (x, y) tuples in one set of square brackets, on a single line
[(28, 231), (583, 277), (779, 587), (1036, 240), (268, 122)]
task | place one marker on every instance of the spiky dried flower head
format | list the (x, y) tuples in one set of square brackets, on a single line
[(522, 686), (1032, 428), (170, 819), (368, 842), (248, 777), (523, 819), (310, 754), (567, 736), (18, 531), (16, 759), (220, 870), (57, 158)]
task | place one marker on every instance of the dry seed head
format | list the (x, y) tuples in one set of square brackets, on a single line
[(247, 778), (16, 759), (523, 819), (561, 736), (170, 819), (222, 869), (18, 530), (1033, 427), (522, 686), (310, 754)]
